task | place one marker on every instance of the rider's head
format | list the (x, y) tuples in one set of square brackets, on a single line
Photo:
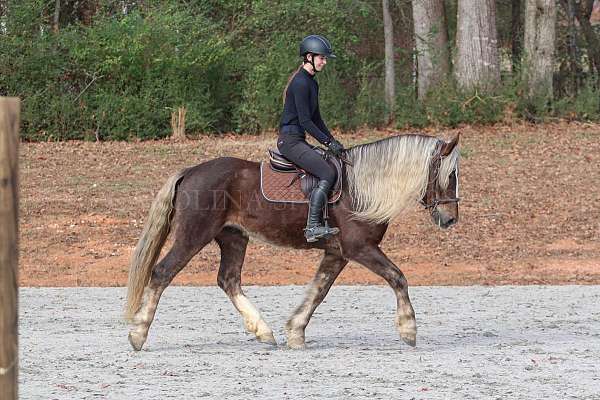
[(315, 50)]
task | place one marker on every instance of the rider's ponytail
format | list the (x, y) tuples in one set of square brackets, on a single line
[(290, 81)]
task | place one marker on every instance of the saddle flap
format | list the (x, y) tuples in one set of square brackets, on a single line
[(283, 187), (302, 183)]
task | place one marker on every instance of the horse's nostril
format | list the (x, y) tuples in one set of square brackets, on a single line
[(451, 221)]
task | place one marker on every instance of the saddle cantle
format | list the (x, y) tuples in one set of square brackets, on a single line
[(279, 163), (283, 182)]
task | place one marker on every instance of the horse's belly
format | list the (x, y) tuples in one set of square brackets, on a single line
[(278, 230)]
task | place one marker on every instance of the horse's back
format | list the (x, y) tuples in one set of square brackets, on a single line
[(224, 164), (220, 173)]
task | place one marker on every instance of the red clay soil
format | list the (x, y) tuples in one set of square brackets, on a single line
[(530, 212)]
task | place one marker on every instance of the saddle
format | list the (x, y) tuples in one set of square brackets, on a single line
[(283, 182)]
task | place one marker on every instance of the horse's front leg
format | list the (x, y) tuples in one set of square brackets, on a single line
[(329, 269), (375, 260)]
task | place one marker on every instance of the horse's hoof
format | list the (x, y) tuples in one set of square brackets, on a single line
[(267, 338), (295, 341), (136, 343), (410, 339), (407, 328), (296, 344)]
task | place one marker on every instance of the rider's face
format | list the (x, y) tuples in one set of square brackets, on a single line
[(320, 62)]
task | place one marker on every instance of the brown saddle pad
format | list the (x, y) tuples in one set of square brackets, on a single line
[(275, 186)]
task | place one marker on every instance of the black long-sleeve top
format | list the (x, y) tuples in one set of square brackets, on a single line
[(301, 109)]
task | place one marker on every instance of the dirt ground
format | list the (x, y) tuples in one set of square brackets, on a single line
[(530, 211)]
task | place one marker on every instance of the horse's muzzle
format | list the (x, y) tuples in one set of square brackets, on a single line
[(443, 220)]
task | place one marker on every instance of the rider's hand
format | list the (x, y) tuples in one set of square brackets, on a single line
[(336, 148)]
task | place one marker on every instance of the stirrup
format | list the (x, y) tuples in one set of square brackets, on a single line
[(317, 232)]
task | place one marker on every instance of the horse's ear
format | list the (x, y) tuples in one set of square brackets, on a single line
[(448, 147)]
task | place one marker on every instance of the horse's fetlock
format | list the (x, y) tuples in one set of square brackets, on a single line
[(222, 283), (295, 339), (407, 322), (251, 326)]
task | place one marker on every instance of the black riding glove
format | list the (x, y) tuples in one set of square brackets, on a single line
[(336, 148)]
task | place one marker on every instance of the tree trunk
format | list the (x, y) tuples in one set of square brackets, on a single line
[(56, 18), (516, 35), (540, 33), (583, 14), (86, 11), (404, 43), (3, 15), (431, 39), (390, 79), (574, 53), (477, 61)]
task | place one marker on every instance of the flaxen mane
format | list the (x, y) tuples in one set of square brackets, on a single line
[(390, 175)]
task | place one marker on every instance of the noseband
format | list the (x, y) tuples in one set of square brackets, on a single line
[(436, 202), (437, 159)]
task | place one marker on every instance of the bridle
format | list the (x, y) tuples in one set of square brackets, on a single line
[(431, 206), (436, 160)]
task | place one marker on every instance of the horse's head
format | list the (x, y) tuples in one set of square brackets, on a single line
[(441, 196)]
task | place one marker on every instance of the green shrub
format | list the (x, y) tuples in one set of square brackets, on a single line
[(409, 111), (448, 106), (585, 106), (227, 61), (121, 78), (370, 107)]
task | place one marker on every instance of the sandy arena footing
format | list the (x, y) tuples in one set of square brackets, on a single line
[(527, 342)]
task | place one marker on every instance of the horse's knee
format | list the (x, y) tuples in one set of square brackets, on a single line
[(228, 283)]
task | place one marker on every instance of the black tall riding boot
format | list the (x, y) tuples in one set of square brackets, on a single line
[(315, 229)]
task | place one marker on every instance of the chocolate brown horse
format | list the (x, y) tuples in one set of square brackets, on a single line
[(221, 200)]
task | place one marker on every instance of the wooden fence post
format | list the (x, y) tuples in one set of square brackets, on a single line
[(10, 109), (178, 123)]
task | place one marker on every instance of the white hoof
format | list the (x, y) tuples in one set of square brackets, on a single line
[(267, 338), (261, 330), (137, 341), (410, 339), (408, 332)]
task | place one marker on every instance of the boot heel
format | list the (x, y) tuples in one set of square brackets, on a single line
[(310, 237)]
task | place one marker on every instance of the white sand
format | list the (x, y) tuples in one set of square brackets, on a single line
[(473, 343)]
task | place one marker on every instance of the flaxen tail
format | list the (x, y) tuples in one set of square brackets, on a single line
[(151, 241)]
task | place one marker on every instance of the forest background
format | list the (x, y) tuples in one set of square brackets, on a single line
[(120, 70)]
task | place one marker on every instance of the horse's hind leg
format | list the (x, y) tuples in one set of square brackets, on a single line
[(162, 274), (329, 269), (233, 244)]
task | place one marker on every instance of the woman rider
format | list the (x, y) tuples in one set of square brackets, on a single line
[(301, 114)]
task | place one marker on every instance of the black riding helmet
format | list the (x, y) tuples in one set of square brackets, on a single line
[(316, 44)]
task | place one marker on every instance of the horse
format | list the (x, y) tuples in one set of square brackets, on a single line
[(221, 200)]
